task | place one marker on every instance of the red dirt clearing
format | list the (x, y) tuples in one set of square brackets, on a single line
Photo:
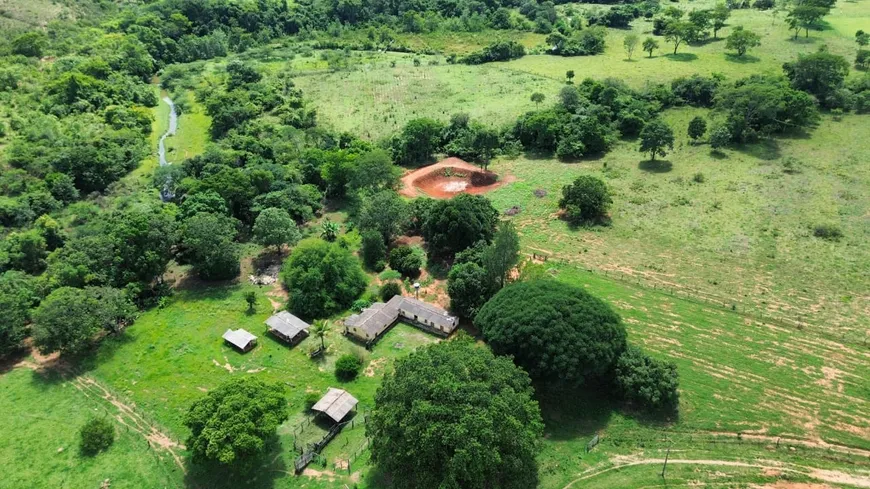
[(448, 178)]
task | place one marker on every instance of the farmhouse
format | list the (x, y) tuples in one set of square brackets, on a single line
[(241, 339), (369, 325), (335, 404), (288, 327)]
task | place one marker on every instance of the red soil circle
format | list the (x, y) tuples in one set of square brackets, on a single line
[(449, 178)]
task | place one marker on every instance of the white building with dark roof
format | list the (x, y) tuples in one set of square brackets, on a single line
[(374, 321)]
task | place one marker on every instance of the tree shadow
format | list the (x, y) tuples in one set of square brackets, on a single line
[(743, 60), (657, 166), (682, 57), (263, 475), (718, 154), (560, 405), (803, 40), (767, 149)]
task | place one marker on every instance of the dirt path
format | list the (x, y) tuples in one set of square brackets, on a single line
[(130, 418), (831, 476)]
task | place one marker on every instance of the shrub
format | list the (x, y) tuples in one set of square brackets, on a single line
[(96, 435), (651, 384), (498, 51), (587, 199), (830, 232), (406, 260), (360, 304), (347, 367), (553, 330), (390, 290), (311, 399)]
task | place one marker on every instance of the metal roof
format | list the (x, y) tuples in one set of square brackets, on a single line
[(239, 338), (287, 324), (335, 404), (379, 316)]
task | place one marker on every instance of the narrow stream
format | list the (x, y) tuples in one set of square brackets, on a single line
[(166, 193)]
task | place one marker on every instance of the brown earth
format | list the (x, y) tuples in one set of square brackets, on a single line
[(450, 177)]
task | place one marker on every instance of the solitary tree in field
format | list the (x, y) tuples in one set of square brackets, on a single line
[(585, 200), (537, 98), (804, 17), (678, 32), (697, 128), (718, 16), (742, 39), (570, 75), (630, 43), (251, 299), (862, 38), (650, 45), (656, 138)]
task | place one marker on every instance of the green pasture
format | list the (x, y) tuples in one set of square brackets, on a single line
[(735, 228), (41, 414)]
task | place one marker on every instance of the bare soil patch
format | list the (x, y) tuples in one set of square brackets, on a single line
[(449, 178)]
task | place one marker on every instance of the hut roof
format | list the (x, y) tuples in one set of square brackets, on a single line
[(287, 324), (335, 404), (239, 338)]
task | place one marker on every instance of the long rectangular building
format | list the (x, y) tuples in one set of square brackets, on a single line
[(374, 321)]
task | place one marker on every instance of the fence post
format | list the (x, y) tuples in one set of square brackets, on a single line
[(665, 466)]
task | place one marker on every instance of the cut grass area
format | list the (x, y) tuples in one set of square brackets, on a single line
[(41, 416), (743, 236)]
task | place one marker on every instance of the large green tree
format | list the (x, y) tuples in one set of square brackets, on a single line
[(69, 319), (556, 331), (18, 294), (453, 225), (208, 242), (323, 278), (821, 74), (384, 212), (232, 425), (502, 254), (275, 227), (453, 415), (469, 287), (417, 142)]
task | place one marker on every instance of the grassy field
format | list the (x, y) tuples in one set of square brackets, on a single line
[(742, 236), (41, 415), (376, 99), (777, 47), (765, 380), (175, 354)]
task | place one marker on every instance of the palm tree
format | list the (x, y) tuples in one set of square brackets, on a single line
[(329, 230), (319, 329)]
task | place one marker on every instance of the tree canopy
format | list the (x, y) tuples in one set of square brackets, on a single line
[(556, 331), (586, 199), (231, 425), (209, 245), (454, 415), (453, 225), (323, 278)]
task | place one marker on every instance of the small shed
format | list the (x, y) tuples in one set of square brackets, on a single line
[(288, 327), (241, 339), (335, 404)]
